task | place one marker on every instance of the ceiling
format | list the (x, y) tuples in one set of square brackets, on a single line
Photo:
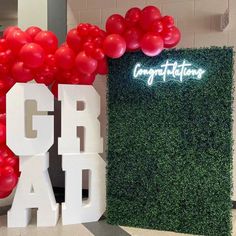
[(8, 10)]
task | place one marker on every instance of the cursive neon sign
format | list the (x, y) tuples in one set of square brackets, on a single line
[(168, 71)]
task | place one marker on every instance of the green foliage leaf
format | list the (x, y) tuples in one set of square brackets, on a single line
[(170, 145)]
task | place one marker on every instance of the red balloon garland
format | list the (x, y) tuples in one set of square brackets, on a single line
[(34, 54)]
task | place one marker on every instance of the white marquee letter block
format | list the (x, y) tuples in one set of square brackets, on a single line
[(75, 210), (71, 118), (16, 139), (34, 190)]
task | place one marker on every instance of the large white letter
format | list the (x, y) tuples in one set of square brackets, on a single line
[(33, 191), (75, 210), (71, 118), (16, 138)]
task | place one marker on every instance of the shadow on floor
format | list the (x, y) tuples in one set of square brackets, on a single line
[(102, 228)]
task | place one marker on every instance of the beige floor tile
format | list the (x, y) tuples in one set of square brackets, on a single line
[(144, 232), (80, 230), (33, 230)]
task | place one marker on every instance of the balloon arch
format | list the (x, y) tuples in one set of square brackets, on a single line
[(34, 54)]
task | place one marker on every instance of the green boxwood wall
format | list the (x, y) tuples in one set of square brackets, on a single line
[(170, 145)]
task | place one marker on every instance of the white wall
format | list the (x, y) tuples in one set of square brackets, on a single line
[(197, 20), (32, 13)]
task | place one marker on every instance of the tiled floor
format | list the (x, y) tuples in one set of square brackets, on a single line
[(91, 229)]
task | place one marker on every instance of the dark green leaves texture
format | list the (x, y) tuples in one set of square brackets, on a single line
[(170, 145)]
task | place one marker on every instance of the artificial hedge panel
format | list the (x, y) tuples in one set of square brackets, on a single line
[(170, 145)]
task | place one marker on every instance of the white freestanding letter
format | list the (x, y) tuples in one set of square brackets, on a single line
[(71, 118), (75, 210), (16, 138), (33, 191)]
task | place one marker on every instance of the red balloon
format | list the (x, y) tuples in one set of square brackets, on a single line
[(94, 31), (7, 171), (4, 70), (16, 167), (74, 41), (9, 30), (5, 194), (103, 33), (3, 44), (47, 40), (89, 48), (157, 26), (17, 39), (2, 104), (166, 33), (115, 24), (148, 16), (10, 55), (85, 64), (7, 183), (98, 54), (32, 55), (33, 31), (2, 88), (132, 38), (45, 75), (132, 16), (2, 133), (11, 161), (73, 78), (98, 41), (114, 46), (65, 58), (83, 29), (87, 39), (21, 73), (3, 119), (168, 21), (3, 58), (6, 57), (63, 76), (151, 44), (5, 151), (6, 83), (50, 60), (86, 78), (173, 38), (2, 159), (102, 68)]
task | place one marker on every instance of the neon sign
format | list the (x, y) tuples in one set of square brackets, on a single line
[(168, 71)]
